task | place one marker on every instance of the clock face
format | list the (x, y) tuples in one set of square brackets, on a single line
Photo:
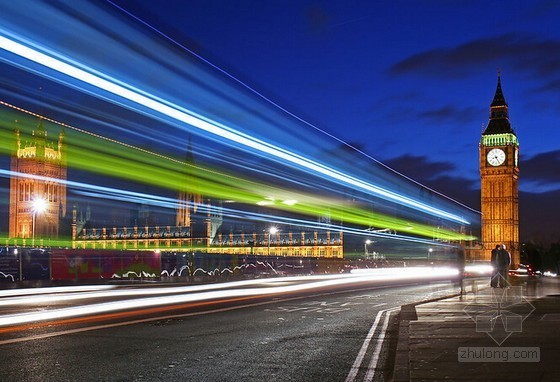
[(516, 157), (496, 157)]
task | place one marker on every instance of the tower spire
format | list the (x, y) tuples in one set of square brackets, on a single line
[(499, 117), (499, 99)]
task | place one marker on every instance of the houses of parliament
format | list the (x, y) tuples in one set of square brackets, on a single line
[(39, 172)]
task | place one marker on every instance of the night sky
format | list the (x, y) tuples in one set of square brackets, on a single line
[(407, 82)]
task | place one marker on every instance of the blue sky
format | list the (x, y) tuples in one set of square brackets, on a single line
[(407, 82), (402, 78)]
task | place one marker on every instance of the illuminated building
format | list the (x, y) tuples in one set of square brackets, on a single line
[(200, 227), (177, 238), (188, 200), (42, 160), (499, 174)]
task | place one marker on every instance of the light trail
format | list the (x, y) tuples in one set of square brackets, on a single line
[(65, 294), (281, 108), (348, 214), (479, 269), (52, 290), (115, 87), (389, 274)]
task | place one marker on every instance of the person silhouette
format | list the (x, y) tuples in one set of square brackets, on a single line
[(493, 262), (503, 261), (460, 258)]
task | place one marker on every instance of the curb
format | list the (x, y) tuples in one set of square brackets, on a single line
[(401, 366)]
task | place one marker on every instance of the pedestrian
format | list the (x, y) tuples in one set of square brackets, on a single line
[(503, 260), (493, 262), (461, 268)]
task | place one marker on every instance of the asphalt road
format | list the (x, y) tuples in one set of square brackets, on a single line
[(333, 333)]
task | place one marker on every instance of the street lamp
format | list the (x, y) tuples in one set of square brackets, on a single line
[(39, 206), (365, 248), (271, 231), (17, 252), (430, 250)]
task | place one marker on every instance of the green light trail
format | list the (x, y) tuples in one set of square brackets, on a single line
[(107, 157)]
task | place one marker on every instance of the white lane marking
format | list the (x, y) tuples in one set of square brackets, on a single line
[(361, 354), (359, 358), (375, 357)]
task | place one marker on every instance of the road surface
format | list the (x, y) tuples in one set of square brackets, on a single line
[(293, 329)]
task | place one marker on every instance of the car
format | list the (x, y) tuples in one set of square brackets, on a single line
[(524, 270)]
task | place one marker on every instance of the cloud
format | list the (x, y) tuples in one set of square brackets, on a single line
[(538, 217), (550, 86), (542, 169), (450, 113), (524, 52), (419, 167), (435, 175), (538, 212)]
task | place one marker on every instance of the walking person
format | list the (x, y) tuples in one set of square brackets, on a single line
[(494, 263), (461, 268), (503, 260)]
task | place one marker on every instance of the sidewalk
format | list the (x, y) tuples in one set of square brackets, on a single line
[(495, 329)]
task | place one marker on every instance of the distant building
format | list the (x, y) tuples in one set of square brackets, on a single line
[(200, 227), (38, 177), (499, 175), (39, 174)]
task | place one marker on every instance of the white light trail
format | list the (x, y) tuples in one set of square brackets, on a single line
[(389, 274), (181, 114), (48, 290), (479, 269), (65, 294), (270, 101), (132, 197)]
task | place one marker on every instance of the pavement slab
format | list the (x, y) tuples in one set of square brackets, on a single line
[(485, 335)]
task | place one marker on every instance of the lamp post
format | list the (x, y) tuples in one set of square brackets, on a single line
[(20, 257), (271, 231), (430, 250), (39, 206), (365, 248)]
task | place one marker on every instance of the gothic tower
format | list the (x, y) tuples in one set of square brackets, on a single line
[(499, 174), (37, 185), (189, 199)]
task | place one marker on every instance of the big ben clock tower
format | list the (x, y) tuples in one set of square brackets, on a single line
[(499, 174)]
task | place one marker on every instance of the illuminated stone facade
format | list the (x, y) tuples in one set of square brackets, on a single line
[(304, 244), (200, 227), (177, 238), (39, 172), (499, 173), (42, 165)]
